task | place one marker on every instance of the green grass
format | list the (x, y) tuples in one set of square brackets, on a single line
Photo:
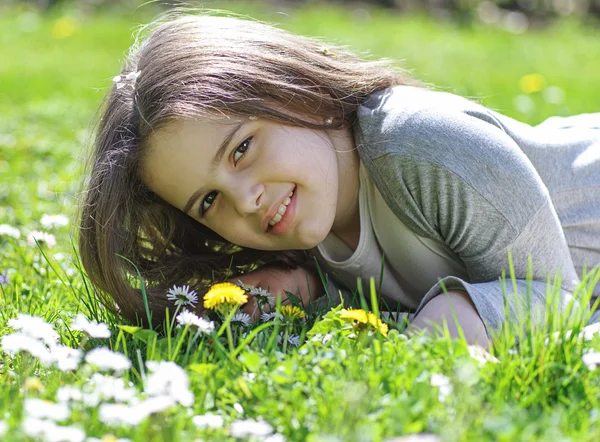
[(334, 387)]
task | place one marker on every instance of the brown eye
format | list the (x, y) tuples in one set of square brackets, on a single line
[(210, 199), (241, 149)]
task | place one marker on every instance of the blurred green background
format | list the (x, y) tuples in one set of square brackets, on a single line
[(527, 59)]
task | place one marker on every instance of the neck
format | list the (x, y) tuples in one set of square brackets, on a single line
[(346, 225)]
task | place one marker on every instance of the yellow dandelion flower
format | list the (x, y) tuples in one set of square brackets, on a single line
[(364, 318), (378, 324), (224, 293), (531, 83), (64, 27), (33, 384), (358, 315), (291, 312)]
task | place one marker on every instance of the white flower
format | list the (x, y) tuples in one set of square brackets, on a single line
[(51, 221), (18, 342), (168, 379), (92, 328), (40, 409), (65, 434), (263, 296), (246, 287), (119, 414), (182, 295), (105, 388), (266, 317), (106, 359), (480, 355), (66, 358), (41, 237), (249, 427), (7, 230), (3, 428), (242, 319), (443, 383), (292, 339), (591, 360), (587, 334), (34, 427), (69, 394), (107, 438), (188, 318), (51, 432), (208, 420), (34, 327), (275, 438)]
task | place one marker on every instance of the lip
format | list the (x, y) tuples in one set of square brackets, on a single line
[(274, 209)]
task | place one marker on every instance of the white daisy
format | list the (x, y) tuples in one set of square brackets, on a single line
[(262, 296), (119, 414), (106, 359), (208, 420), (292, 339), (182, 295), (166, 378), (188, 318), (443, 383), (108, 388), (34, 327), (266, 317), (242, 319), (92, 328), (40, 409), (591, 360), (41, 237), (106, 438), (51, 221), (250, 427), (246, 287), (18, 342), (481, 356), (7, 230), (69, 394), (66, 358)]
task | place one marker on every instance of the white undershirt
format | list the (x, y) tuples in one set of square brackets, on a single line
[(413, 264)]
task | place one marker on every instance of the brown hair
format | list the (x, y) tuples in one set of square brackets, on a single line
[(193, 66)]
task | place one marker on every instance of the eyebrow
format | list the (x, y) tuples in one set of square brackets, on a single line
[(214, 164)]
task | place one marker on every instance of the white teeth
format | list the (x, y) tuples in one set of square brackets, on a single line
[(281, 211)]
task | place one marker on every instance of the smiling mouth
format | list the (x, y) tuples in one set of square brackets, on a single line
[(279, 220)]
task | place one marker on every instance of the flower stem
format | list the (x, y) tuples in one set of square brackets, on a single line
[(230, 337)]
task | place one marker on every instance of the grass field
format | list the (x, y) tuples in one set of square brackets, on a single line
[(329, 382)]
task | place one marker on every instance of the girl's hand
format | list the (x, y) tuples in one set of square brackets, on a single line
[(300, 282)]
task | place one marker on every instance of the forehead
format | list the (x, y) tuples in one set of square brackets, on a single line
[(180, 153), (204, 132)]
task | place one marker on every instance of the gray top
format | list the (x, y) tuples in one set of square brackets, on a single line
[(481, 185)]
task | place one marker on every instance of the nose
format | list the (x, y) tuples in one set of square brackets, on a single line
[(247, 198)]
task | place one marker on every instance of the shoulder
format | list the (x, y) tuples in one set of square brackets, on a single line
[(435, 129), (442, 149), (414, 121)]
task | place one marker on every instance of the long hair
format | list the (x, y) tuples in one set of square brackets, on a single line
[(193, 66)]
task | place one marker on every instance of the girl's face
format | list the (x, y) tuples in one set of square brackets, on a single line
[(234, 175)]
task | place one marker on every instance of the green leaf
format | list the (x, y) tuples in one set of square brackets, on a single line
[(252, 360), (129, 329)]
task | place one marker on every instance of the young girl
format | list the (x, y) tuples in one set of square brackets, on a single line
[(230, 149)]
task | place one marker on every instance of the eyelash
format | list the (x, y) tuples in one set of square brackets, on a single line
[(246, 142)]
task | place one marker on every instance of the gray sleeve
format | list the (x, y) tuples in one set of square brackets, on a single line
[(459, 179)]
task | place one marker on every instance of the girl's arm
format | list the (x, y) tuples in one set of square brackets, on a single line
[(455, 308)]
